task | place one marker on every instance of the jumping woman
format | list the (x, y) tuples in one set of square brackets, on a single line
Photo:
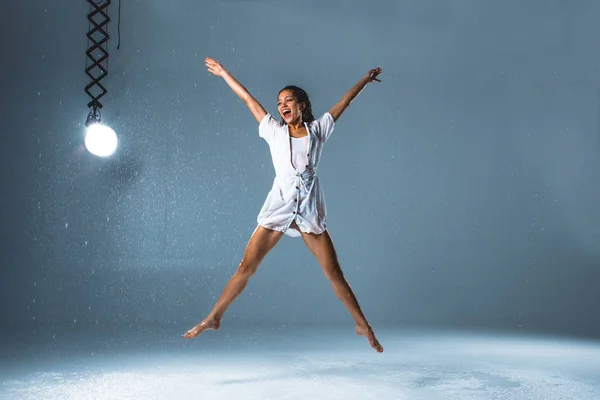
[(295, 205)]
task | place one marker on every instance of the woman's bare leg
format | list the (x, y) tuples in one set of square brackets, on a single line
[(322, 248), (261, 242)]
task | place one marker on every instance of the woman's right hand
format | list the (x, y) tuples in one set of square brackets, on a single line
[(214, 67)]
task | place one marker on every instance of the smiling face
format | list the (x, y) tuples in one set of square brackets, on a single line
[(289, 107)]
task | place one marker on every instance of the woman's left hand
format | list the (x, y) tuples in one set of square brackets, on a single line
[(373, 74)]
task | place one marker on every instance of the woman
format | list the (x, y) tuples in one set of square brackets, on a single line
[(295, 205)]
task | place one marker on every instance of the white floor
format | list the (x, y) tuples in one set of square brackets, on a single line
[(287, 364)]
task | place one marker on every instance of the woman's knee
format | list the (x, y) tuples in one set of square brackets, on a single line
[(248, 267), (334, 273)]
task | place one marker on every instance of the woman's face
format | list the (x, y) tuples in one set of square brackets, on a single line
[(289, 107)]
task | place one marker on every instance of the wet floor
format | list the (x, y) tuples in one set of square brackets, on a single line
[(297, 364)]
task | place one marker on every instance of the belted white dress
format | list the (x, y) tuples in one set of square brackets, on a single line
[(296, 194)]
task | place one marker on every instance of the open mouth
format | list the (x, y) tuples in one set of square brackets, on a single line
[(286, 113)]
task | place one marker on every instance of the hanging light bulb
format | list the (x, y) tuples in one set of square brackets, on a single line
[(100, 139)]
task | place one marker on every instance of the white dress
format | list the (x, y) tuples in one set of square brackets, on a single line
[(296, 194)]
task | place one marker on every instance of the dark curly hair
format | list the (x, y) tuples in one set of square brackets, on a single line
[(302, 97)]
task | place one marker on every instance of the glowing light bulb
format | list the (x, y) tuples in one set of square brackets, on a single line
[(100, 140)]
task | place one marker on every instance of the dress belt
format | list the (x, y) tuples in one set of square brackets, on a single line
[(302, 179)]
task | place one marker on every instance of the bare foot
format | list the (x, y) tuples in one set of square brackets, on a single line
[(367, 332), (211, 324)]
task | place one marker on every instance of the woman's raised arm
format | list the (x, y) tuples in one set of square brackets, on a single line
[(371, 76), (216, 68)]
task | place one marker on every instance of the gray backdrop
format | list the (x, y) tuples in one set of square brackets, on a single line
[(462, 191)]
